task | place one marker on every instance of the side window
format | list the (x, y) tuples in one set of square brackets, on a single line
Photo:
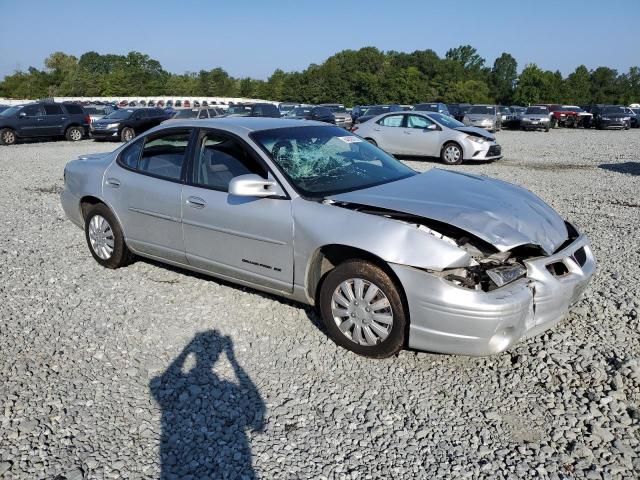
[(418, 121), (74, 109), (52, 109), (391, 121), (203, 114), (163, 154), (212, 112), (31, 110), (220, 159), (140, 114), (257, 111), (130, 155)]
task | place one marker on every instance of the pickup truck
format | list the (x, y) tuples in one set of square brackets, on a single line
[(570, 116)]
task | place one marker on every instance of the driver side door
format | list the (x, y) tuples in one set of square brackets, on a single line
[(242, 238), (422, 136)]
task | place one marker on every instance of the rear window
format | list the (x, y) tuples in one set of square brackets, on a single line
[(73, 109)]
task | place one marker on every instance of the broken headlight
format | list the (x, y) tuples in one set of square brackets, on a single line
[(506, 274)]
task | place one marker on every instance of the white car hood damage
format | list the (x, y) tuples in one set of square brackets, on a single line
[(498, 212)]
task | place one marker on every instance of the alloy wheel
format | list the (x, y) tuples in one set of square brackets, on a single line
[(101, 237), (362, 312), (8, 137), (452, 154), (75, 135)]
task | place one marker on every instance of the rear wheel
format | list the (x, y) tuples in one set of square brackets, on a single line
[(451, 154), (7, 136), (127, 134), (74, 134), (105, 239), (362, 309)]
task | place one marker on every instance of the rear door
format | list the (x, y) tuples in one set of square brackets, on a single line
[(145, 188), (54, 119), (420, 136), (389, 134)]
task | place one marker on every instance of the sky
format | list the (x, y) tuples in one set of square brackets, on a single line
[(253, 37)]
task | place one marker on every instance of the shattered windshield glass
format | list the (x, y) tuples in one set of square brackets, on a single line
[(321, 161)]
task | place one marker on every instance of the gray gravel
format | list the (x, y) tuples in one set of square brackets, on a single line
[(127, 373)]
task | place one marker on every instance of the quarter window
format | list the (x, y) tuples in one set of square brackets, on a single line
[(418, 121), (163, 154), (391, 121), (220, 159), (131, 154)]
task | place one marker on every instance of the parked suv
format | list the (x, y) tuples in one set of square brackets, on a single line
[(126, 123), (610, 116), (342, 117), (43, 119)]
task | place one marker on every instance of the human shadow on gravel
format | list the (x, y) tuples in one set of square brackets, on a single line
[(204, 417), (632, 168)]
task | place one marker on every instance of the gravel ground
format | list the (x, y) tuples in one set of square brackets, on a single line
[(149, 371)]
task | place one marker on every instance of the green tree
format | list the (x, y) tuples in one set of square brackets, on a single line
[(503, 78)]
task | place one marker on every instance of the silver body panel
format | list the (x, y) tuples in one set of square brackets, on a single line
[(424, 142), (276, 244)]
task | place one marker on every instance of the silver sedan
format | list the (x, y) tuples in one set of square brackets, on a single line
[(440, 261), (429, 134)]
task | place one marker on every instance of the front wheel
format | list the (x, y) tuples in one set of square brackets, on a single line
[(362, 309), (451, 154), (105, 239), (7, 136), (127, 134)]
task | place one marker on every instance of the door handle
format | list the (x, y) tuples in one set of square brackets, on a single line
[(406, 133), (376, 129), (196, 202), (113, 182)]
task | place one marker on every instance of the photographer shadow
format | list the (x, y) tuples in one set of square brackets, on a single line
[(204, 417)]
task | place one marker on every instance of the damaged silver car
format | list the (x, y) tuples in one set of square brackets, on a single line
[(440, 261)]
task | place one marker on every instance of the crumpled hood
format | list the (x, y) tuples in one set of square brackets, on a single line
[(478, 132), (498, 212)]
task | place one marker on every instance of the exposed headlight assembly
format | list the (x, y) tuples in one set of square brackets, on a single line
[(475, 139), (506, 274)]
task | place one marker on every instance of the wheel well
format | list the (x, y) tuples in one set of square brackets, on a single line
[(86, 203), (330, 256)]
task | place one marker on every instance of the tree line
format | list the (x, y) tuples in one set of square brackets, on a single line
[(352, 77)]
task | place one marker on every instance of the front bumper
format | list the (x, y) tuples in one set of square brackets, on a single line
[(451, 319), (491, 126), (487, 151), (535, 124), (104, 133)]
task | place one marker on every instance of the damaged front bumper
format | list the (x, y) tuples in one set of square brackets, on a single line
[(451, 319)]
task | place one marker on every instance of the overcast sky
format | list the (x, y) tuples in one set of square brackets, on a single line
[(252, 38)]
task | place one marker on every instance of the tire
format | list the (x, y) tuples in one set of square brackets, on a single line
[(7, 136), (371, 141), (74, 134), (105, 239), (448, 154), (377, 338), (127, 134)]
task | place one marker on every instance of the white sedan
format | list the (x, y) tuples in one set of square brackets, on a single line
[(429, 134)]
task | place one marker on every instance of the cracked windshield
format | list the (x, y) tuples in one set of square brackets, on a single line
[(321, 161)]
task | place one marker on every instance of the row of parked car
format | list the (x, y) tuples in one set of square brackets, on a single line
[(123, 121)]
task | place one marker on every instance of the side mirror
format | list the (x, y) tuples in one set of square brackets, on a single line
[(252, 185), (22, 115)]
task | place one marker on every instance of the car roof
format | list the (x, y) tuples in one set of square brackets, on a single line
[(247, 124)]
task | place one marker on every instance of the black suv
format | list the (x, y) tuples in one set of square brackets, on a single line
[(126, 123), (254, 110), (43, 119)]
